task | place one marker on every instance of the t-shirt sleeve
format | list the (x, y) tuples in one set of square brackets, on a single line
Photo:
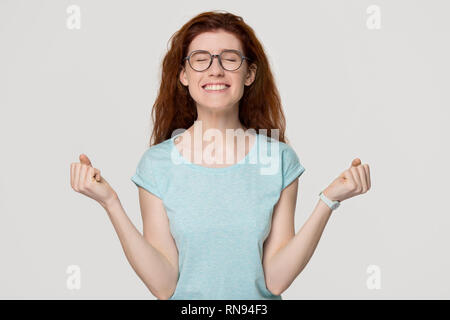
[(292, 168), (144, 176)]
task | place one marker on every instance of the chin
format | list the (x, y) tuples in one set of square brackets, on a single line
[(215, 105)]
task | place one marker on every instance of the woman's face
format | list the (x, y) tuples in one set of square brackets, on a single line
[(215, 42)]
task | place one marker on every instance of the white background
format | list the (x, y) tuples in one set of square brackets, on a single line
[(347, 90)]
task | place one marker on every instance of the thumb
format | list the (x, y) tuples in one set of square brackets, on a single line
[(356, 162), (85, 160)]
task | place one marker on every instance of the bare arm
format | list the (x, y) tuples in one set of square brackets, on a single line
[(287, 263), (152, 267), (287, 255)]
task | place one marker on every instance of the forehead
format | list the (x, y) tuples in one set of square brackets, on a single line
[(215, 42)]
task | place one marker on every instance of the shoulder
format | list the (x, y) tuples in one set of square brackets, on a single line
[(158, 152), (288, 154), (152, 169), (283, 150), (290, 165), (157, 156)]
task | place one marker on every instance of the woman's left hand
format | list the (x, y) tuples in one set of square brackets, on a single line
[(352, 182)]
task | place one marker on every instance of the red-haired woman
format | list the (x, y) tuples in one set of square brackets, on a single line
[(215, 228)]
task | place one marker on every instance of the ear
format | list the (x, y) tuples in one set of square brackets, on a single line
[(183, 78), (251, 74)]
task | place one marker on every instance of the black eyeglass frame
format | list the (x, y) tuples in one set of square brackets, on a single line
[(188, 58)]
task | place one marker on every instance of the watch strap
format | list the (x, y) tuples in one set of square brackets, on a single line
[(332, 204)]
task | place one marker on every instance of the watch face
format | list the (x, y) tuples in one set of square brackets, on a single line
[(336, 205)]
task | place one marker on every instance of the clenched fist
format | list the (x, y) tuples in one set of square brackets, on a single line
[(352, 182), (87, 180)]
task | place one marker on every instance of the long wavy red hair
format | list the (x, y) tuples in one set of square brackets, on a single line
[(174, 108)]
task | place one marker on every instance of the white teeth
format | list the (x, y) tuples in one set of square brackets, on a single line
[(215, 87)]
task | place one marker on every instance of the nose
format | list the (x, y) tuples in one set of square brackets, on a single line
[(215, 65)]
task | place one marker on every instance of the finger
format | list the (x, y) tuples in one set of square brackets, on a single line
[(362, 175), (97, 175), (83, 174), (357, 178), (366, 168), (349, 177), (89, 177), (76, 177), (85, 160), (356, 162)]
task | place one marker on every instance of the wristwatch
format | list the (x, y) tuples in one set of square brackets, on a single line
[(332, 204)]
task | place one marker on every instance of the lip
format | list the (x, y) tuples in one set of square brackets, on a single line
[(215, 83), (216, 91)]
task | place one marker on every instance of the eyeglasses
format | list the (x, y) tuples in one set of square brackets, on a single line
[(230, 60)]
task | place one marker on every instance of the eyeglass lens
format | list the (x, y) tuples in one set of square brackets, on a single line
[(200, 60)]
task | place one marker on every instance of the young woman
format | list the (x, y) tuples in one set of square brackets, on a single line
[(215, 230)]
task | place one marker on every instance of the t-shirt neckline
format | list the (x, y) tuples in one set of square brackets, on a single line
[(234, 166)]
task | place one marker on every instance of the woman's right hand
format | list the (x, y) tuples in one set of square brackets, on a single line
[(87, 180)]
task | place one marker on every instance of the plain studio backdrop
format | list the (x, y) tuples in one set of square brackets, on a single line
[(367, 79)]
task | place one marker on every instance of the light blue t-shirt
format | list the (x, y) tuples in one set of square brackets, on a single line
[(220, 217)]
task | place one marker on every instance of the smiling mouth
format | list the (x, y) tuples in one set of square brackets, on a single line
[(212, 91)]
